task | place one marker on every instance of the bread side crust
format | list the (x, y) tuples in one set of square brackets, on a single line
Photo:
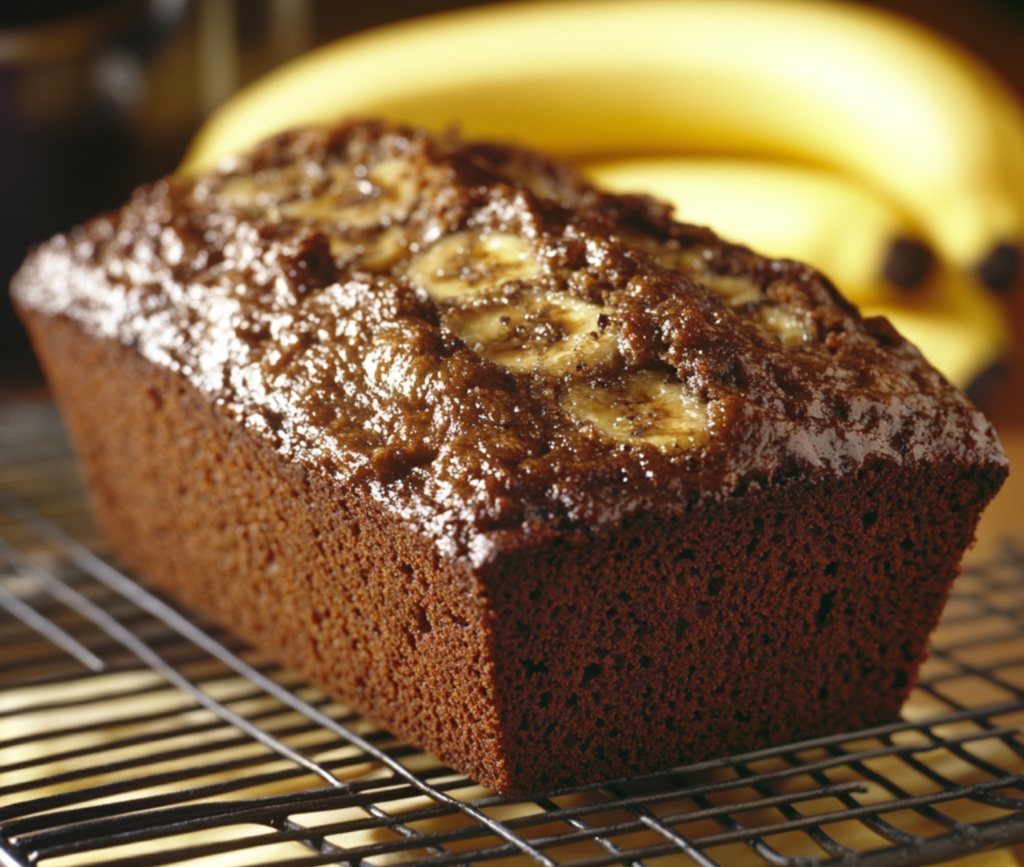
[(298, 566)]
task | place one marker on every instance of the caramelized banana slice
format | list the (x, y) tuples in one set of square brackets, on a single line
[(535, 329), (467, 263), (384, 196), (785, 324), (386, 248), (332, 197), (734, 291), (645, 407)]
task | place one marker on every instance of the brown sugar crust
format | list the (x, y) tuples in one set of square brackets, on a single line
[(300, 407), (297, 288)]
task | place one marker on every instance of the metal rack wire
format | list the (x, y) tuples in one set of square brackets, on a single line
[(134, 734)]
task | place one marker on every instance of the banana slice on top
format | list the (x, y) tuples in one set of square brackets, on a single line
[(734, 290), (787, 325), (331, 196), (384, 195), (535, 329), (525, 327), (644, 407), (468, 263)]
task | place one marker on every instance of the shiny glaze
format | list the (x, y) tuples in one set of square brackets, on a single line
[(289, 287)]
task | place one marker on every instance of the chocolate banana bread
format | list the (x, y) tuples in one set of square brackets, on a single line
[(547, 483)]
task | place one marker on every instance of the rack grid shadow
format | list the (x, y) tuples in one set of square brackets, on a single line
[(132, 733)]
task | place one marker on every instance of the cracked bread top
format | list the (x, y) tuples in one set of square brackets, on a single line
[(487, 344)]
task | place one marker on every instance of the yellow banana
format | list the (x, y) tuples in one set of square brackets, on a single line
[(857, 89), (780, 209), (645, 406)]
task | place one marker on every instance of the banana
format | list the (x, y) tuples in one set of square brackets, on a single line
[(534, 329), (780, 209), (383, 196), (644, 407), (386, 194), (486, 284), (913, 135), (783, 324), (467, 263), (859, 90)]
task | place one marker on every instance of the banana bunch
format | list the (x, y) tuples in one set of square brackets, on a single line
[(886, 131)]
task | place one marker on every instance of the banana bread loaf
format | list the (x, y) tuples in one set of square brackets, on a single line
[(545, 482)]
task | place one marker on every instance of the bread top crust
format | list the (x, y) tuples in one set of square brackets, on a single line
[(487, 344)]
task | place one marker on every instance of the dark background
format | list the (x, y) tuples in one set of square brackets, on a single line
[(98, 96)]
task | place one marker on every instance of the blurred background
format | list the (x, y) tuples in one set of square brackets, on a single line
[(97, 96)]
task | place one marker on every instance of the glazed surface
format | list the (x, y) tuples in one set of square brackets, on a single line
[(485, 343)]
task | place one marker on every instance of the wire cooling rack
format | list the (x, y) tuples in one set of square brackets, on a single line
[(134, 734)]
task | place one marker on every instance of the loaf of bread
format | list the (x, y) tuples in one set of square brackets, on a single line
[(539, 479)]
